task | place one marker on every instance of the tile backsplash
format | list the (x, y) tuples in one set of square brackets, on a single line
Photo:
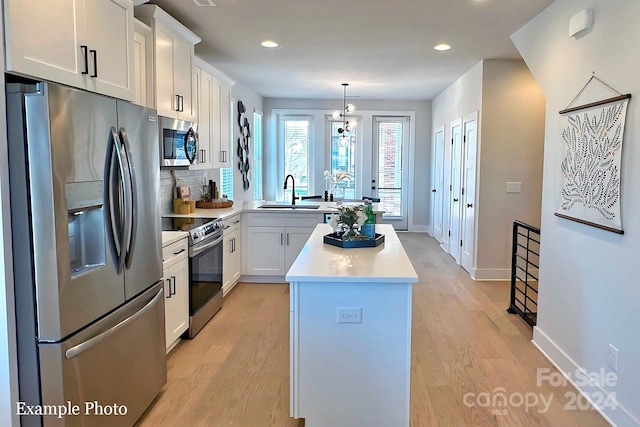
[(192, 178)]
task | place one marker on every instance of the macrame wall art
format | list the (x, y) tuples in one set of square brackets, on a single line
[(243, 146), (591, 166)]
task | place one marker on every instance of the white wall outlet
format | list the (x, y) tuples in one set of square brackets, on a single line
[(514, 187), (612, 358), (349, 315)]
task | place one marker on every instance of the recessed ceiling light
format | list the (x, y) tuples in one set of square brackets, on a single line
[(269, 43), (442, 46)]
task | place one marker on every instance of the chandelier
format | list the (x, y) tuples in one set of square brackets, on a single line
[(348, 123)]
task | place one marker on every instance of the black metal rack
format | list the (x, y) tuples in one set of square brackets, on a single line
[(525, 261)]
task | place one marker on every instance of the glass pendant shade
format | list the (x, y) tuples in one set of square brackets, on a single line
[(350, 108), (336, 115)]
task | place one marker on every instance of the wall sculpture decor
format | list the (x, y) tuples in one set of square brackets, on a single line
[(243, 145), (591, 166)]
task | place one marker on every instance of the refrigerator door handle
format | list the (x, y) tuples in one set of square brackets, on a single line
[(131, 219), (76, 350), (117, 184)]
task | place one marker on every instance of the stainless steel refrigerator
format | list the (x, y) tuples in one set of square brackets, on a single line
[(84, 172)]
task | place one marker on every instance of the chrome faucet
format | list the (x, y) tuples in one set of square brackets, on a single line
[(293, 188)]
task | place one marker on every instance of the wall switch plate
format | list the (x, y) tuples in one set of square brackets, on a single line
[(612, 358), (514, 187), (349, 315)]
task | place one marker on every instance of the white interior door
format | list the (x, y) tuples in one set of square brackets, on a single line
[(456, 189), (437, 192), (470, 144), (390, 169)]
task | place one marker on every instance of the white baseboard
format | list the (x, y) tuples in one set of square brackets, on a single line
[(616, 416), (419, 228), (491, 274)]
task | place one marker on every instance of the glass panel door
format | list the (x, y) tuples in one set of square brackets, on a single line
[(343, 157), (389, 171)]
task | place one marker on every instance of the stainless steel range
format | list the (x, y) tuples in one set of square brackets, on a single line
[(205, 267)]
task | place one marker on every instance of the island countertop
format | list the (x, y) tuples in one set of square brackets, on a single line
[(320, 262)]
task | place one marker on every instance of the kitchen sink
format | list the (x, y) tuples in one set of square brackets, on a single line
[(288, 206)]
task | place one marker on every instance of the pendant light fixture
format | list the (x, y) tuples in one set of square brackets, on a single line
[(348, 124)]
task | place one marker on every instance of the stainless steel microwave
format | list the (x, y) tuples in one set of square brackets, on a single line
[(179, 142)]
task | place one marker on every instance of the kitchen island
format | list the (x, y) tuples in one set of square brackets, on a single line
[(350, 332)]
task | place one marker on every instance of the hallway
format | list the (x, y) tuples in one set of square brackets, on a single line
[(467, 353)]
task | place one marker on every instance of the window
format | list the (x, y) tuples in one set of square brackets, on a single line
[(257, 155), (295, 135), (343, 157)]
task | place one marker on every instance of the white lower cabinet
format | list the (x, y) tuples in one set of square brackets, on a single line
[(176, 291), (232, 255), (272, 243)]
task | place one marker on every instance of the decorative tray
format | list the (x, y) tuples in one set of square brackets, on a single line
[(213, 205), (335, 240)]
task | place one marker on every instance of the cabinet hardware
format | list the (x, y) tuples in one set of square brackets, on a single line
[(281, 239), (455, 200), (469, 205), (179, 252), (168, 288), (287, 239), (85, 54), (173, 281), (203, 156), (236, 221), (433, 191), (95, 62), (181, 103)]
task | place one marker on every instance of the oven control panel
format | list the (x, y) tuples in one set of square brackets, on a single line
[(211, 227)]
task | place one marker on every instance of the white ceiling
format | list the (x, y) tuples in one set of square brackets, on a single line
[(384, 49)]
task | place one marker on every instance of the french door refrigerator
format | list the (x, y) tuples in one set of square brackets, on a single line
[(84, 179)]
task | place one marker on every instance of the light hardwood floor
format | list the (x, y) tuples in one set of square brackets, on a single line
[(235, 372)]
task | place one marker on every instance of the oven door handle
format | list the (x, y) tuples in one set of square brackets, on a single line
[(196, 250)]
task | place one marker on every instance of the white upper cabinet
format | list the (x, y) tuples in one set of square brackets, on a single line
[(173, 47), (143, 64), (214, 117), (82, 43)]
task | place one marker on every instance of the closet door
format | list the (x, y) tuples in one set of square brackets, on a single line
[(455, 202), (470, 144), (437, 190)]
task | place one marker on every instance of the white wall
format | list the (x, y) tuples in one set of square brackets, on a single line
[(365, 110), (589, 292), (510, 138), (512, 130), (252, 101)]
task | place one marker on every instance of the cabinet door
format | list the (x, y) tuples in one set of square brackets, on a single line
[(108, 31), (42, 39), (265, 251), (140, 69), (165, 92), (183, 75), (225, 126), (232, 259), (176, 280), (203, 84), (295, 239)]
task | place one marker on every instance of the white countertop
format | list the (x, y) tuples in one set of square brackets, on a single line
[(319, 262), (254, 206), (169, 237)]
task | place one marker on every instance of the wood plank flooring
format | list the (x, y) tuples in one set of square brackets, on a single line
[(235, 372)]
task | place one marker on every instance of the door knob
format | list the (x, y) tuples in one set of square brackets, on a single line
[(455, 200), (469, 205), (433, 191)]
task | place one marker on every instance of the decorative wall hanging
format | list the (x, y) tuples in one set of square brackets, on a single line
[(243, 146), (591, 166)]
